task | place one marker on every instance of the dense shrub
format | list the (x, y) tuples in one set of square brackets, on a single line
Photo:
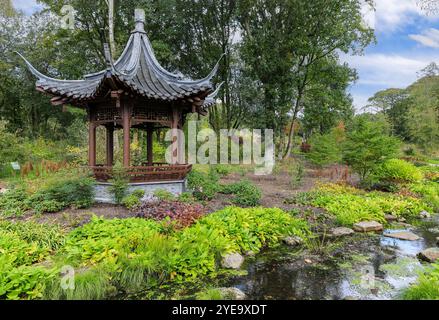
[(398, 171), (204, 186), (71, 191), (182, 214), (11, 150), (431, 172), (119, 183), (12, 203), (134, 199), (186, 197), (223, 170), (131, 201), (60, 190), (165, 195), (368, 145), (325, 149), (246, 193), (429, 192)]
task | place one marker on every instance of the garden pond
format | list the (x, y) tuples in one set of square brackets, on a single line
[(363, 267)]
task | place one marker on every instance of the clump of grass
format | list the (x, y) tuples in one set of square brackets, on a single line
[(209, 294), (427, 286)]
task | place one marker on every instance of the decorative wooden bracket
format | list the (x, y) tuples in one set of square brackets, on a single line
[(116, 95)]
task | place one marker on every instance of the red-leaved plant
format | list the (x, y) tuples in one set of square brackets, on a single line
[(181, 214)]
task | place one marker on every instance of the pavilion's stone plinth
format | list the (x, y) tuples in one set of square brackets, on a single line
[(103, 194)]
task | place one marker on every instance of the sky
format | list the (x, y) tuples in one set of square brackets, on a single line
[(407, 41)]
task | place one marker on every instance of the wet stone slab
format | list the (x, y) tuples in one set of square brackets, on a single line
[(368, 226), (403, 235)]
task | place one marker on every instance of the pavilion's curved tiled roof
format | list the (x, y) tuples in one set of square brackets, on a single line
[(138, 69)]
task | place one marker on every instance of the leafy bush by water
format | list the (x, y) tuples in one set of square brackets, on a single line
[(426, 287), (350, 205), (399, 171), (429, 191), (134, 254)]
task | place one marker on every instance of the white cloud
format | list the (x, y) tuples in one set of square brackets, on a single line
[(390, 15), (360, 101), (391, 70), (428, 38), (381, 71)]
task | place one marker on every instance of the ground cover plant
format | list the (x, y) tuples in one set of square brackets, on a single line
[(426, 287), (350, 205), (66, 188), (125, 255), (134, 199), (23, 247), (179, 213), (206, 185)]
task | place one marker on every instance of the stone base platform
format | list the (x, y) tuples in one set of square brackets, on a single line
[(103, 195)]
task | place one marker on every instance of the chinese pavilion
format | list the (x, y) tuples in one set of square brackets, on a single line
[(133, 92)]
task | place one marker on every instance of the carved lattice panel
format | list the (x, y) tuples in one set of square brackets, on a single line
[(147, 114), (108, 114)]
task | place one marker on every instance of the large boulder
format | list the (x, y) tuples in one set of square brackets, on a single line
[(403, 235), (429, 255), (368, 226), (232, 261), (341, 232)]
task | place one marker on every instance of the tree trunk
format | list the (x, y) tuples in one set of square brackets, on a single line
[(111, 27), (291, 134)]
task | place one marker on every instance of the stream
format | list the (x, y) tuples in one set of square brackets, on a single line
[(365, 267)]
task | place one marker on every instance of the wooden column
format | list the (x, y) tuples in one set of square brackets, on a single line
[(92, 144), (175, 125), (149, 145), (126, 135), (110, 145)]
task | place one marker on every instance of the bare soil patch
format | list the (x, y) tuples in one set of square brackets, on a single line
[(73, 218)]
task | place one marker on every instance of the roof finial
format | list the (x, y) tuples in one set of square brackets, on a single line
[(139, 17)]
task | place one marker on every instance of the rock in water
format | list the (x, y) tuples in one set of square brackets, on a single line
[(404, 235), (341, 232), (368, 226), (424, 215), (232, 294), (292, 241), (429, 255), (233, 261)]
